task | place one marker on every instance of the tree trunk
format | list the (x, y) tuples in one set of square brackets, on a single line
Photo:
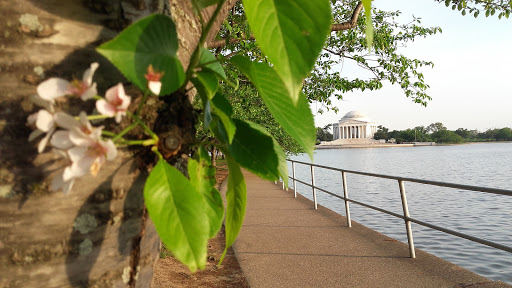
[(97, 235), (214, 155)]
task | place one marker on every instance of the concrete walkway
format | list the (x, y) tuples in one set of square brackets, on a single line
[(284, 242)]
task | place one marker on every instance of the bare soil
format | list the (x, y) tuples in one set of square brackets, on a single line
[(171, 273)]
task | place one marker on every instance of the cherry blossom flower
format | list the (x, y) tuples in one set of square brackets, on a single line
[(75, 131), (116, 102), (88, 157), (57, 87), (45, 123), (83, 147), (58, 181), (153, 78)]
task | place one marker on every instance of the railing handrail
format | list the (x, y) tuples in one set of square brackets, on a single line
[(414, 180), (406, 216)]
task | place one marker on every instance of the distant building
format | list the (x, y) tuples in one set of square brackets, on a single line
[(354, 125)]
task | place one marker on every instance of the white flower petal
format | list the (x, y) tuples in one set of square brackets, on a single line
[(79, 138), (85, 124), (44, 141), (112, 93), (76, 153), (61, 153), (83, 166), (41, 102), (111, 149), (119, 115), (104, 108), (87, 77), (155, 87), (44, 121), (66, 121), (96, 132), (68, 185), (36, 133), (89, 93), (57, 181), (68, 174), (60, 140), (53, 88), (31, 119)]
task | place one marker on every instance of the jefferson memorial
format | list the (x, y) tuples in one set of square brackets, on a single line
[(354, 128)]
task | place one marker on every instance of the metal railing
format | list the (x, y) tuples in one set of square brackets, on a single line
[(403, 197)]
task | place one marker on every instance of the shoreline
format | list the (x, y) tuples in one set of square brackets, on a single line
[(391, 145), (319, 147)]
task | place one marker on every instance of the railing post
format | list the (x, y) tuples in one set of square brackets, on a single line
[(313, 185), (345, 195), (294, 185), (407, 222), (283, 182)]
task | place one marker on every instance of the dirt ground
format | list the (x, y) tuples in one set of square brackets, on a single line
[(171, 273)]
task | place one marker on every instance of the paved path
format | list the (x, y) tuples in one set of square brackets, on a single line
[(284, 242)]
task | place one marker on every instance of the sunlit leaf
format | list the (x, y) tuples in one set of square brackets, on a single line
[(273, 93), (206, 83), (177, 210), (209, 61), (236, 199), (202, 177), (150, 41), (257, 151), (223, 110), (367, 4), (291, 33)]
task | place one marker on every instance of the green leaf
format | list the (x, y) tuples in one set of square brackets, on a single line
[(149, 41), (367, 4), (236, 199), (202, 177), (177, 210), (207, 114), (209, 61), (223, 110), (206, 83), (257, 151), (291, 33), (273, 93)]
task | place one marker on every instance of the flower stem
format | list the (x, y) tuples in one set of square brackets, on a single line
[(126, 130), (155, 150), (144, 97), (139, 121), (97, 97), (96, 117), (147, 142)]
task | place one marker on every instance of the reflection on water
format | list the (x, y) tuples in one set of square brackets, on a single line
[(478, 214)]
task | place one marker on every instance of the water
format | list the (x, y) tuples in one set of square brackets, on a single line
[(478, 214)]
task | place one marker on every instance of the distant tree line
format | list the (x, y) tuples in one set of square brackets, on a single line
[(437, 132), (323, 134)]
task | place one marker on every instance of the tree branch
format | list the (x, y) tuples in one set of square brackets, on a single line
[(353, 21), (335, 27), (222, 43)]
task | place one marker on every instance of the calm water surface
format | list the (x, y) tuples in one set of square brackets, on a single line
[(478, 214)]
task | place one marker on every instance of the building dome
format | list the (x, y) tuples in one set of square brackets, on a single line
[(355, 115)]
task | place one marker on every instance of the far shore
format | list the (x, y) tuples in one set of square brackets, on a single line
[(391, 145)]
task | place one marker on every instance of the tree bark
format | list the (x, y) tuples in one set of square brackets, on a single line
[(98, 234)]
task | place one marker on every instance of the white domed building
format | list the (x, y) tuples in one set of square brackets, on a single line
[(354, 127)]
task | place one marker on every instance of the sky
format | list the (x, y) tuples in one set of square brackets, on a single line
[(470, 84)]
